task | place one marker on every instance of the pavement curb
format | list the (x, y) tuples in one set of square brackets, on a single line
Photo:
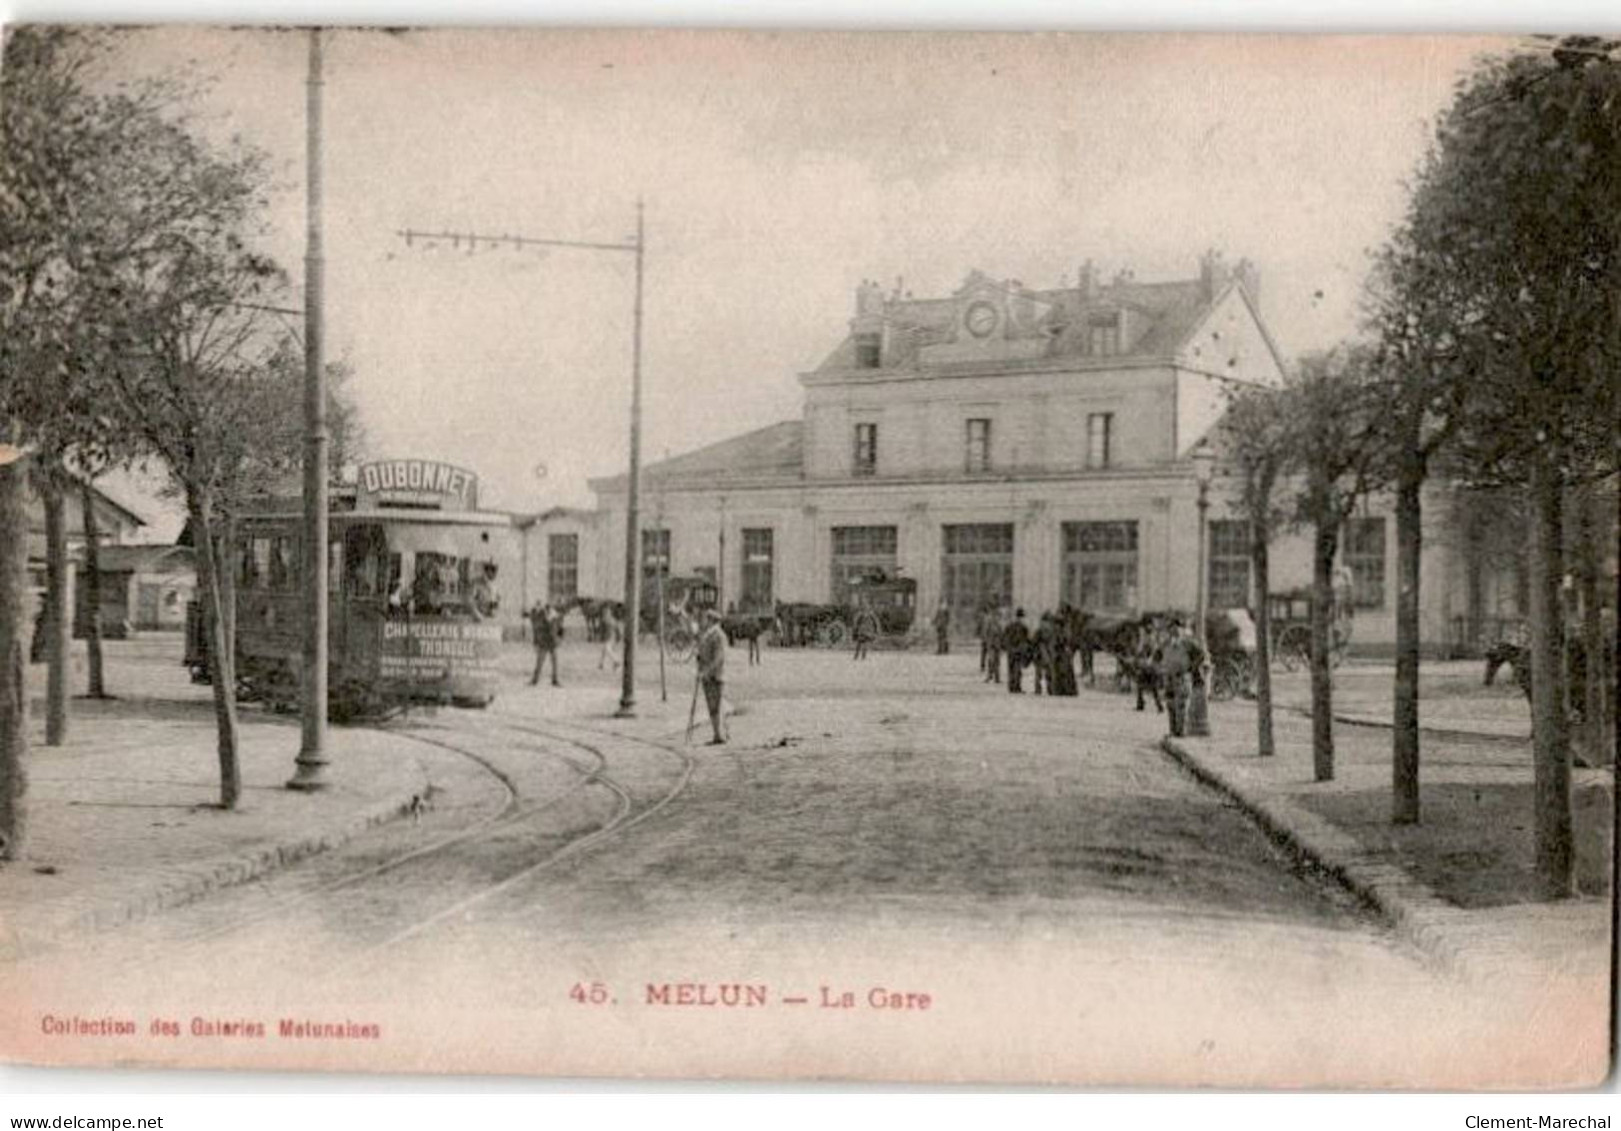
[(1409, 906), (213, 875)]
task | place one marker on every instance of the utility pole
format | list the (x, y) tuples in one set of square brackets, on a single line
[(720, 568), (662, 565), (627, 692), (310, 771), (627, 699)]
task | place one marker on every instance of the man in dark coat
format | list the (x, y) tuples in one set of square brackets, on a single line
[(1016, 642), (1179, 660), (942, 630), (712, 671), (1044, 654), (993, 631), (546, 625), (1064, 652)]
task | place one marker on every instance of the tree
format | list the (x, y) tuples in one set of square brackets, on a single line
[(200, 386), (1328, 409), (1421, 373), (131, 289), (90, 179), (1254, 437), (50, 140), (1519, 211)]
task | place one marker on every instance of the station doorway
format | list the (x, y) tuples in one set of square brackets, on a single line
[(976, 570)]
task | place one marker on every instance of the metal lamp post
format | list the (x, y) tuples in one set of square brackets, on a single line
[(311, 764), (1204, 469)]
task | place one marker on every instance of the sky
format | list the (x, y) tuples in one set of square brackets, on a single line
[(778, 171)]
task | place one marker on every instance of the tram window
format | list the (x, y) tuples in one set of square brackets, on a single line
[(283, 563), (248, 573), (435, 583), (255, 563), (364, 550)]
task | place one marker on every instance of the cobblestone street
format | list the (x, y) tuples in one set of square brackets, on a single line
[(894, 824)]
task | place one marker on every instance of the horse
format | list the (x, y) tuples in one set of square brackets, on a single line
[(1518, 658), (797, 621), (594, 613), (1141, 666), (1092, 633), (746, 626)]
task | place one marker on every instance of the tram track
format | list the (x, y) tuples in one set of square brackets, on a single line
[(625, 817), (528, 820), (511, 810)]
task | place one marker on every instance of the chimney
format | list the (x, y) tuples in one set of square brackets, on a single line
[(869, 298), (1086, 282), (1249, 277), (1214, 274)]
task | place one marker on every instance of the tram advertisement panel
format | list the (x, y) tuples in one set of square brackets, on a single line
[(420, 650)]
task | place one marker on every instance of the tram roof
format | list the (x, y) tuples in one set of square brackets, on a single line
[(343, 509)]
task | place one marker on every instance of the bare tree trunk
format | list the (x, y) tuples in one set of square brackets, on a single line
[(226, 563), (1595, 723), (92, 592), (1260, 560), (221, 661), (1404, 722), (14, 627), (1549, 736), (59, 613), (1325, 544), (1475, 630)]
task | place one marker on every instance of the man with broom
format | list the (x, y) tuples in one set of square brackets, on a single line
[(711, 674)]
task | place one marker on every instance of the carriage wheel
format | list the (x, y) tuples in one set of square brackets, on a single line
[(1294, 647), (679, 646), (1229, 679), (830, 634)]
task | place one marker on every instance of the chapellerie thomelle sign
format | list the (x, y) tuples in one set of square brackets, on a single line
[(418, 482)]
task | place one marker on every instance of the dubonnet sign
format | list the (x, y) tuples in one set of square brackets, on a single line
[(419, 482)]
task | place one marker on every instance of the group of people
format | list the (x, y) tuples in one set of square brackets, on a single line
[(546, 633), (436, 588), (1047, 650), (1167, 659)]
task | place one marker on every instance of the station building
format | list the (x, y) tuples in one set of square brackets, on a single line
[(1001, 444), (1026, 447)]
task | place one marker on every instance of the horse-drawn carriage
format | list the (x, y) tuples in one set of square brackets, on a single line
[(880, 606), (1291, 627), (684, 600)]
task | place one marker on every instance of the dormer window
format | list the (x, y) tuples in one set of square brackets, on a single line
[(869, 351), (1103, 336)]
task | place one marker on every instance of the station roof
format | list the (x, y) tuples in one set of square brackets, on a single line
[(1155, 320), (773, 452)]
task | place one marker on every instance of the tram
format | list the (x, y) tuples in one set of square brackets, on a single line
[(411, 587)]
